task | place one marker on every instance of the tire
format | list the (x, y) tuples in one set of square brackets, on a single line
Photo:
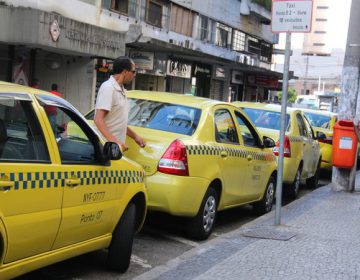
[(292, 190), (120, 248), (314, 180), (201, 226), (266, 203)]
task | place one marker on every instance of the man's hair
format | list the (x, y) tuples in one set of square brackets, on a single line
[(54, 87), (122, 63)]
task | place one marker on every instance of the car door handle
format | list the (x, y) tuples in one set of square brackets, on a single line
[(249, 157), (223, 154), (73, 182), (6, 185)]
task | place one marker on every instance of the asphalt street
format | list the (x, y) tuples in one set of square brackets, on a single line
[(161, 240)]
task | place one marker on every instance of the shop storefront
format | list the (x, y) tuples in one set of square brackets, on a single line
[(237, 85), (178, 78), (201, 76), (55, 49), (257, 87), (151, 70), (217, 89)]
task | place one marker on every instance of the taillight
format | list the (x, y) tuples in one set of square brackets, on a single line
[(327, 140), (287, 149), (174, 161)]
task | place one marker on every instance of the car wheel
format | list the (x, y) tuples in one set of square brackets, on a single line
[(266, 203), (314, 180), (122, 240), (293, 189), (201, 226)]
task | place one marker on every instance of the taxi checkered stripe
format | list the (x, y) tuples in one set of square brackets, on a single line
[(42, 180), (233, 152)]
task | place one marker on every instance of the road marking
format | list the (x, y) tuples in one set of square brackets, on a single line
[(180, 240), (174, 237), (137, 260)]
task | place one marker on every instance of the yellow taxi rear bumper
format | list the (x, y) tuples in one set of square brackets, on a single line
[(176, 195), (291, 165)]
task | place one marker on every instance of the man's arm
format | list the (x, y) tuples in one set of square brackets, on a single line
[(101, 125), (136, 137)]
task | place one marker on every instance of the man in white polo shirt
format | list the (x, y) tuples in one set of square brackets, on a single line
[(111, 109)]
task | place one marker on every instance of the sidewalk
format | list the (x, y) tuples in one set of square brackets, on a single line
[(319, 238)]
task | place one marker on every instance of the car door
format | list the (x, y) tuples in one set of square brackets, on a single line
[(257, 170), (30, 191), (233, 162), (89, 184), (307, 149), (315, 147)]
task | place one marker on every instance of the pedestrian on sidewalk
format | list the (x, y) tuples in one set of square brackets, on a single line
[(111, 108), (35, 83), (51, 111)]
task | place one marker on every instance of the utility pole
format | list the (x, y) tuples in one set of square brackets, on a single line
[(349, 107), (306, 74)]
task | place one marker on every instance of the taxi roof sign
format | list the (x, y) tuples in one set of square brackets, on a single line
[(291, 16)]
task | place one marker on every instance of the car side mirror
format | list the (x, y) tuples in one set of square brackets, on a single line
[(112, 151), (268, 142), (320, 135)]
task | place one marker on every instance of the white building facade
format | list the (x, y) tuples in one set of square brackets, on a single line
[(210, 48)]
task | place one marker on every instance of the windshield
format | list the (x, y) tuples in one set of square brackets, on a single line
[(317, 120), (266, 119), (163, 116)]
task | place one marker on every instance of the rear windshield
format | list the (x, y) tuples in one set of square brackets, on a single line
[(266, 119), (163, 116), (317, 120)]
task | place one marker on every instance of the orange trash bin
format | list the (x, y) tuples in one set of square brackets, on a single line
[(344, 144)]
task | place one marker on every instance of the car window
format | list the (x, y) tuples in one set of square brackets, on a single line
[(90, 115), (308, 127), (250, 137), (163, 116), (318, 120), (301, 125), (225, 131), (266, 119), (21, 137), (77, 143)]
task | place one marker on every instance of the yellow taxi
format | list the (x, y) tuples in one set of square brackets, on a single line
[(61, 195), (202, 156), (324, 122), (302, 155)]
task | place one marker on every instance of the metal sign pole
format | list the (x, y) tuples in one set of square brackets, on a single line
[(279, 184)]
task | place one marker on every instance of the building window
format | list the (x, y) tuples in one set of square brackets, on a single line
[(223, 35), (121, 6), (154, 13), (321, 19), (181, 20), (266, 52), (205, 29), (239, 41), (254, 45)]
